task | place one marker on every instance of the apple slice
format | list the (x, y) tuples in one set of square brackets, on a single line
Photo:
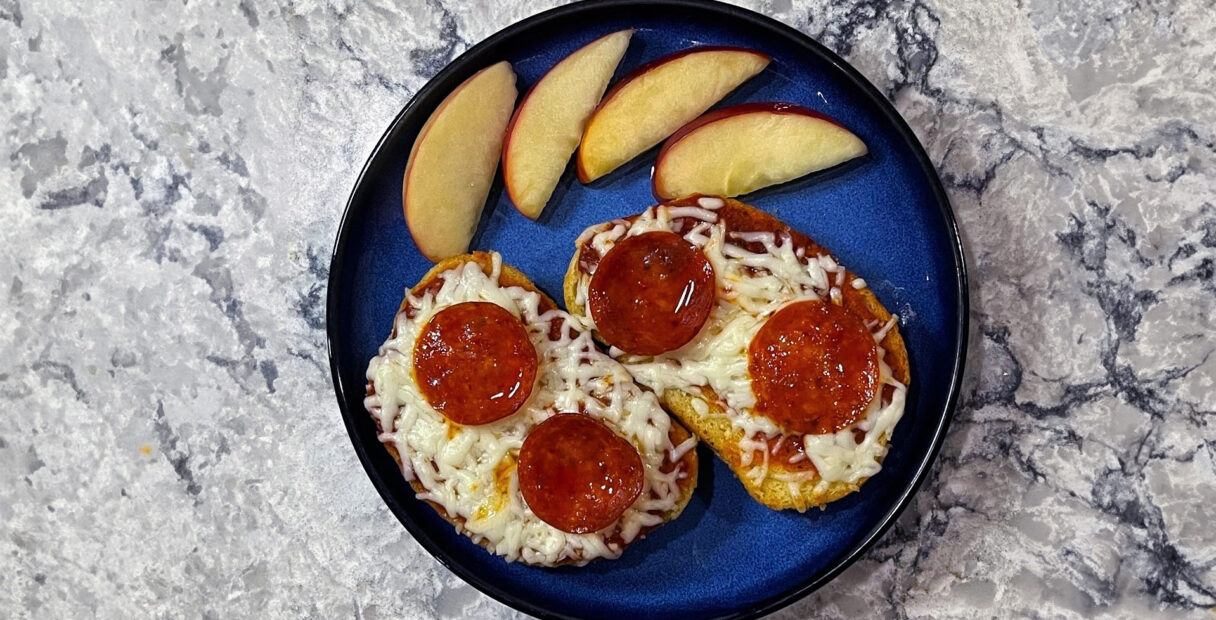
[(743, 148), (550, 119), (452, 162), (658, 98)]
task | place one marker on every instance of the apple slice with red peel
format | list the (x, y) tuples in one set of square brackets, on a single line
[(549, 121), (740, 149), (658, 98), (453, 160)]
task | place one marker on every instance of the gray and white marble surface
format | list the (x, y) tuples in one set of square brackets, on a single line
[(173, 172)]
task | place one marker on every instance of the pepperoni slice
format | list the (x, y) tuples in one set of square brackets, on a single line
[(813, 367), (651, 293), (577, 475), (474, 363)]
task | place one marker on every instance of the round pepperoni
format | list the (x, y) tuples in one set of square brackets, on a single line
[(577, 475), (474, 363), (813, 368), (651, 293)]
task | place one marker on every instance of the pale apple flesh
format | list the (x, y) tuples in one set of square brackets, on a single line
[(452, 163), (549, 122), (738, 150), (657, 99)]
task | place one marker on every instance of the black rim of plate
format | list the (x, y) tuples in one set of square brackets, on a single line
[(443, 80)]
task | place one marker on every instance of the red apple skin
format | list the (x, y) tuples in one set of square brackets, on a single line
[(770, 107), (583, 177), (520, 106)]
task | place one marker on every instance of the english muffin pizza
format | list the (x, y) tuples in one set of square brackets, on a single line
[(507, 419), (754, 336)]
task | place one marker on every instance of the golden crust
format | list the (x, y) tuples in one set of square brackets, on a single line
[(715, 429), (510, 276)]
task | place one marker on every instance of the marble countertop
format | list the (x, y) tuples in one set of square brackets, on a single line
[(174, 172)]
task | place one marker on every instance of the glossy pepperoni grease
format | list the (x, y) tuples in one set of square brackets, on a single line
[(651, 293), (814, 368), (474, 363), (577, 475)]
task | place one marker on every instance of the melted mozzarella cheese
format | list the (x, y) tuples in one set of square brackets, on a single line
[(470, 470), (752, 286)]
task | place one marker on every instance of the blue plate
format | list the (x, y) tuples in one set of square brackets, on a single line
[(885, 215)]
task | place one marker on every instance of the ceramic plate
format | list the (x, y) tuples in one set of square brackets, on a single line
[(884, 215)]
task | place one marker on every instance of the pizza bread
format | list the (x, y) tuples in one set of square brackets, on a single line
[(608, 395), (760, 268)]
